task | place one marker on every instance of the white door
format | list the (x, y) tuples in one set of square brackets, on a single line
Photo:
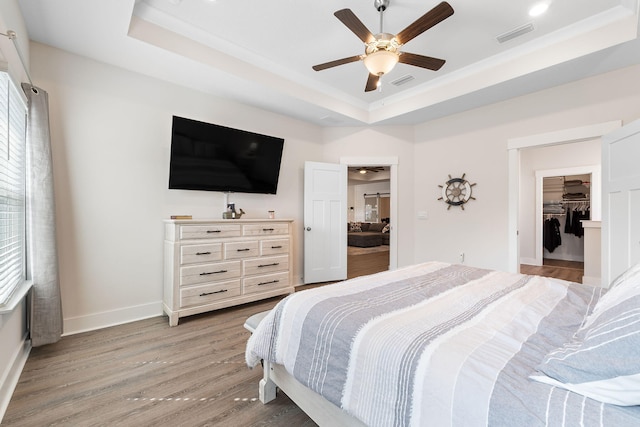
[(621, 201), (325, 222)]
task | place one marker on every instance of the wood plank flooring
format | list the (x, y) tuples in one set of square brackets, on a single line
[(146, 373), (360, 265), (565, 270)]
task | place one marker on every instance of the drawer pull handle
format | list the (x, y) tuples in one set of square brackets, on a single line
[(213, 272), (268, 229), (268, 265), (276, 247), (268, 283), (211, 293), (213, 231), (203, 253), (243, 250)]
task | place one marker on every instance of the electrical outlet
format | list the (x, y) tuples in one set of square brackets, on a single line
[(461, 257)]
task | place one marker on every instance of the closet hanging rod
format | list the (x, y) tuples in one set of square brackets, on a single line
[(11, 35), (576, 201)]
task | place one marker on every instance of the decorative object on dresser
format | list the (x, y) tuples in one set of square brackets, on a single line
[(213, 264)]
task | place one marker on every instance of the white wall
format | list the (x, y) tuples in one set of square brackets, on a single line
[(111, 142), (475, 143)]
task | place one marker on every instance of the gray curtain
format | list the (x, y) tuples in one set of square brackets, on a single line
[(42, 257)]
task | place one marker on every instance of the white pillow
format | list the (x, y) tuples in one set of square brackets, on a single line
[(603, 360)]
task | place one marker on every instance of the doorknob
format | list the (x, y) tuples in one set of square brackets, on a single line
[(308, 228)]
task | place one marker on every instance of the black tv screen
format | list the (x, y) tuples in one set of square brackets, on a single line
[(210, 157)]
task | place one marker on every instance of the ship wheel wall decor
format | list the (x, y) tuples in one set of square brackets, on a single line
[(456, 192)]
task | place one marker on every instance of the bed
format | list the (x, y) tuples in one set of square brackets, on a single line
[(441, 344)]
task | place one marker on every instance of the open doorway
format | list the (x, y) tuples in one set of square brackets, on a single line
[(563, 201), (369, 216), (517, 147)]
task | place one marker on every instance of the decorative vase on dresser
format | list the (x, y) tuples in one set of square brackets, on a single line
[(213, 264)]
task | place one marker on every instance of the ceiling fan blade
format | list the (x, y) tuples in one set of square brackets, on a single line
[(348, 18), (337, 62), (372, 83), (426, 21), (421, 61)]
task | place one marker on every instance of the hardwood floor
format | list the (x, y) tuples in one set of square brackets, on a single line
[(565, 270), (360, 265), (147, 373)]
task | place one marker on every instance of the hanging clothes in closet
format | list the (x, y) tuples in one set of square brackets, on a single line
[(551, 235), (577, 216)]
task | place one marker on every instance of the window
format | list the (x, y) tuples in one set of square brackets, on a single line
[(12, 188)]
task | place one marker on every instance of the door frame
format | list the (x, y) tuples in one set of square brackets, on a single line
[(392, 163), (595, 197), (514, 145)]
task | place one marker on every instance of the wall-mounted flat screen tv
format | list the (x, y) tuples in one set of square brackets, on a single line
[(209, 157)]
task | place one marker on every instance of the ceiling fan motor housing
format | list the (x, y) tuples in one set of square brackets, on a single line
[(380, 5), (383, 41)]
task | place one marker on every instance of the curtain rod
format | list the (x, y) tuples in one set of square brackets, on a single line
[(11, 35)]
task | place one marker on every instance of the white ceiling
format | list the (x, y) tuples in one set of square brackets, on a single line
[(261, 52)]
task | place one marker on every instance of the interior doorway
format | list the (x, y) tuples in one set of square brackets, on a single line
[(368, 236), (521, 221)]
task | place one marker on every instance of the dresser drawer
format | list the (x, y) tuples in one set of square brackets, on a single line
[(235, 250), (274, 246), (265, 283), (265, 265), (209, 272), (209, 231), (205, 294), (191, 254), (265, 229)]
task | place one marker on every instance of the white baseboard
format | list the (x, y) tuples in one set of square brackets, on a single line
[(529, 261), (12, 375), (91, 322)]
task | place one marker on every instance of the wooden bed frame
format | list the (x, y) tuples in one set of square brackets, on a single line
[(319, 409)]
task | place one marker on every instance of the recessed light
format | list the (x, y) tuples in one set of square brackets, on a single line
[(538, 9)]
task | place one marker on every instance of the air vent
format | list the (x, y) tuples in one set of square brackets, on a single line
[(516, 32), (402, 80)]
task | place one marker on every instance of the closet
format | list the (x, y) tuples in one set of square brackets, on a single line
[(566, 202)]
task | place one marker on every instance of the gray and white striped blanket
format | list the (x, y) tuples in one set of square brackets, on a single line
[(435, 344)]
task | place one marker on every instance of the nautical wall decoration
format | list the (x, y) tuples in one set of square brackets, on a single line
[(456, 192)]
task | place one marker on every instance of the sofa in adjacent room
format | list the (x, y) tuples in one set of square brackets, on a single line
[(367, 234)]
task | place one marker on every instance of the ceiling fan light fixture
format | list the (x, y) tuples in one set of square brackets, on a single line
[(381, 62), (538, 9)]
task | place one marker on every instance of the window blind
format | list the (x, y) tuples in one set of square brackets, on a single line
[(12, 188)]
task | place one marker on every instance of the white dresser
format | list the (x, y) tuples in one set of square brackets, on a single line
[(213, 264)]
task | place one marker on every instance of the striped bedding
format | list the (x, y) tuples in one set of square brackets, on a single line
[(435, 344)]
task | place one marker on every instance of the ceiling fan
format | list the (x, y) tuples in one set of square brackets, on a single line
[(365, 169), (382, 51)]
